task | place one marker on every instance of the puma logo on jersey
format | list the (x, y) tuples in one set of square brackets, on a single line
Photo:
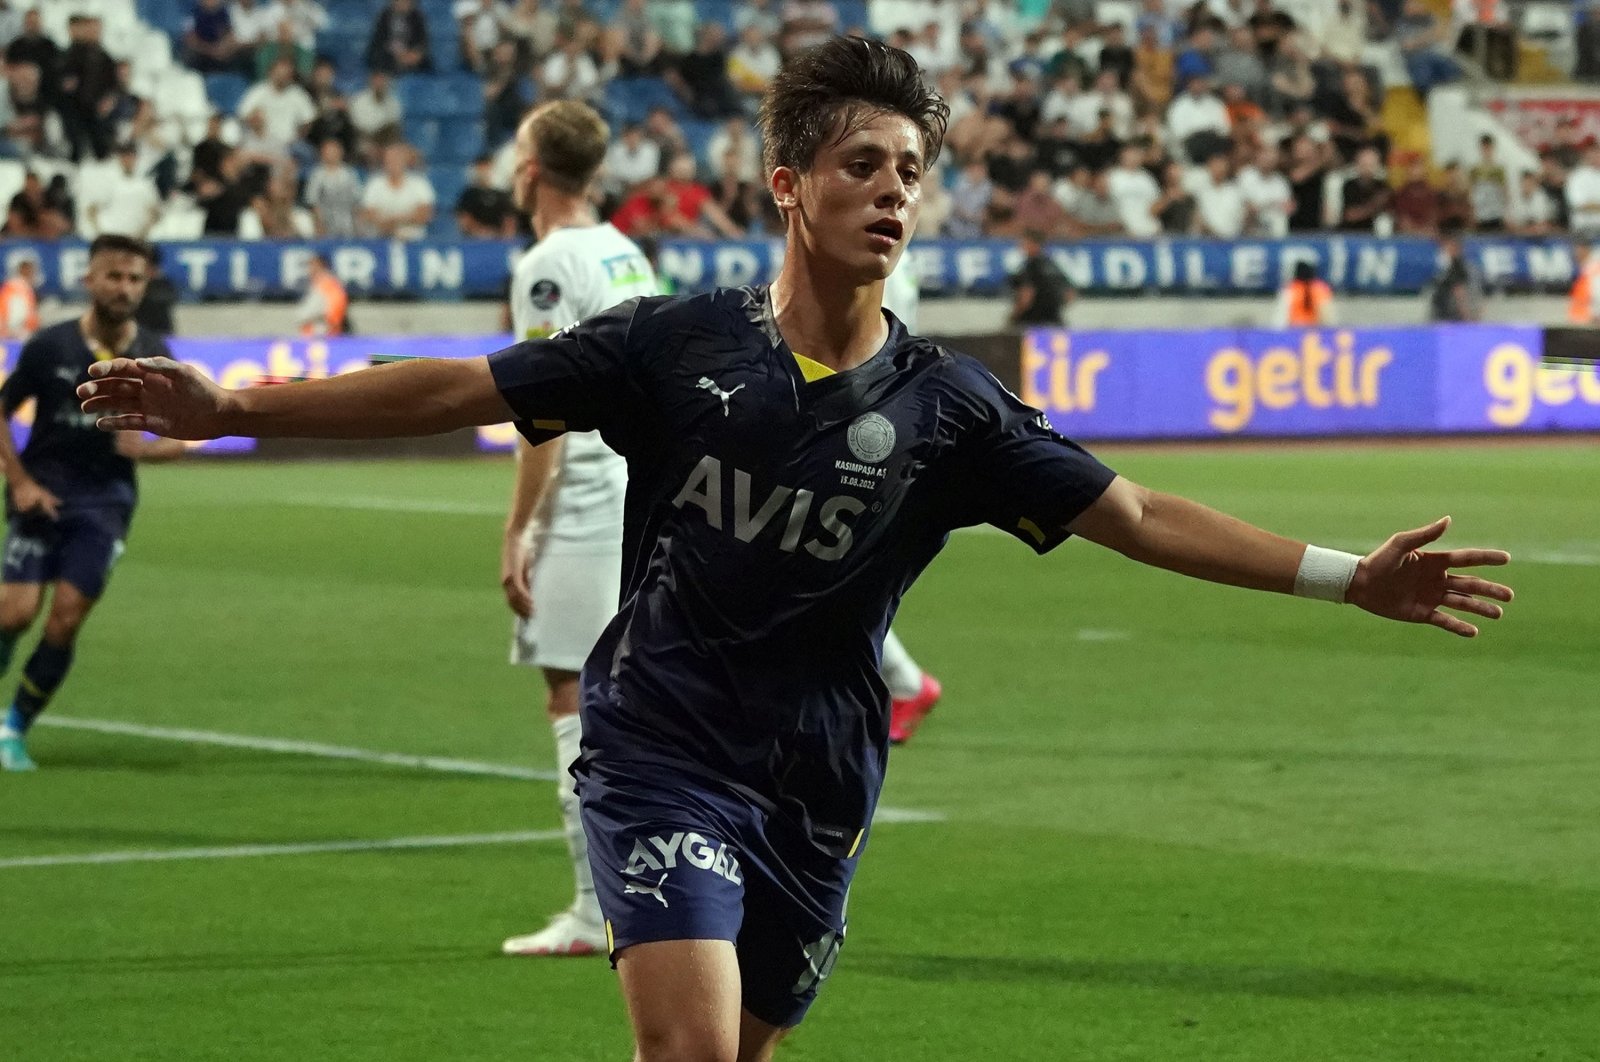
[(664, 853), (704, 490), (707, 384), (67, 374), (634, 887)]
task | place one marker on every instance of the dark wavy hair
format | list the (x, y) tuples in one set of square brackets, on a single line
[(849, 76), (116, 243)]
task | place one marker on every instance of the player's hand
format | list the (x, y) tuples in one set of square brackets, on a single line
[(29, 497), (1400, 581), (514, 575), (157, 395)]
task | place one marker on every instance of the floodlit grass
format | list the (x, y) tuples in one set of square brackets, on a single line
[(1184, 822)]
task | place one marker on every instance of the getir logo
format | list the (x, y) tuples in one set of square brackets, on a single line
[(1069, 382), (1516, 380), (1283, 378)]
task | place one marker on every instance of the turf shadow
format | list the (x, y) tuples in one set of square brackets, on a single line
[(1290, 982)]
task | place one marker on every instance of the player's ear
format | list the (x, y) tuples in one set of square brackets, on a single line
[(785, 188)]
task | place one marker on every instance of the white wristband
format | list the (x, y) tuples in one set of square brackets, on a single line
[(1325, 574)]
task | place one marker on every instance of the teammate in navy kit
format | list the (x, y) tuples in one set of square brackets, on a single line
[(71, 493), (795, 459)]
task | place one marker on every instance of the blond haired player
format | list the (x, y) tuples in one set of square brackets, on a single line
[(561, 565)]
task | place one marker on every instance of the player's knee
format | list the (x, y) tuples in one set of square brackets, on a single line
[(684, 1045), (63, 624), (562, 701)]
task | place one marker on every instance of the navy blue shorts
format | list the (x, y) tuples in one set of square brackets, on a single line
[(676, 857), (79, 548)]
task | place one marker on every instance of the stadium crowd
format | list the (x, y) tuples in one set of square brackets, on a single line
[(1219, 117)]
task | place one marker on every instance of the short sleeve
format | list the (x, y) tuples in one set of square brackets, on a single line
[(21, 382), (543, 292), (1013, 471), (588, 377)]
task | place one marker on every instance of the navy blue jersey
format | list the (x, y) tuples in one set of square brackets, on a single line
[(772, 526), (66, 452)]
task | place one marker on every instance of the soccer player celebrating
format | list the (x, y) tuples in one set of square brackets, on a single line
[(71, 493), (561, 565), (734, 718)]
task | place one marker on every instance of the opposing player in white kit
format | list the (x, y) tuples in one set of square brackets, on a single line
[(561, 564)]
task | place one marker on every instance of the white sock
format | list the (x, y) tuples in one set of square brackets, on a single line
[(569, 731), (900, 672)]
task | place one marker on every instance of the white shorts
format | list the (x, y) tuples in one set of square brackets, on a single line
[(575, 591)]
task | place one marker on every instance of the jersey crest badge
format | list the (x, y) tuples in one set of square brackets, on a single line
[(871, 437)]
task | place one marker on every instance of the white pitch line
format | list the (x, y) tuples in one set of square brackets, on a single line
[(441, 764), (250, 851)]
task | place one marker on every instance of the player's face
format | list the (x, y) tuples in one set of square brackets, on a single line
[(857, 206), (116, 283)]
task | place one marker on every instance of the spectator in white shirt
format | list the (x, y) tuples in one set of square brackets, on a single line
[(254, 24), (285, 108), (1583, 195), (125, 202), (1267, 194), (376, 114), (630, 161), (1105, 96), (1135, 193), (307, 17), (931, 51), (1062, 101), (482, 25), (333, 192), (737, 137), (753, 63), (1197, 122), (1218, 200), (1533, 211), (569, 73), (397, 203)]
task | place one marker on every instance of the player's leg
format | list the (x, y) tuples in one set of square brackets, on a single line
[(667, 853), (580, 929), (757, 1039), (793, 929), (575, 593), (683, 1000), (29, 562), (914, 692), (88, 545)]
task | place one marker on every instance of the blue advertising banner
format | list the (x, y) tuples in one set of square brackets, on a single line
[(1458, 378), (454, 269)]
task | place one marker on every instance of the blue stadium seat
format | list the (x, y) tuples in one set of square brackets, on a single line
[(423, 134), (698, 132), (460, 141), (226, 90), (852, 14), (425, 96), (448, 182)]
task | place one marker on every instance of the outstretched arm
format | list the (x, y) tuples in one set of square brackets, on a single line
[(1397, 580), (423, 397)]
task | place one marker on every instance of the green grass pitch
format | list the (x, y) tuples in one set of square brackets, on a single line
[(1181, 821)]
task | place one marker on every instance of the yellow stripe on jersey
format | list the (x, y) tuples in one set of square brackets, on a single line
[(611, 939), (859, 834), (812, 370), (550, 425), (1032, 529)]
